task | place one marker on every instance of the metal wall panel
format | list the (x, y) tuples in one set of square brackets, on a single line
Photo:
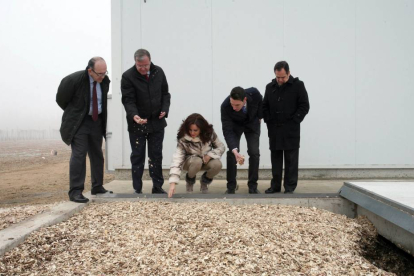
[(247, 39), (319, 44), (354, 57), (384, 82)]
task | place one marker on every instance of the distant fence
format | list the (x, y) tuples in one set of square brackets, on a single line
[(29, 134)]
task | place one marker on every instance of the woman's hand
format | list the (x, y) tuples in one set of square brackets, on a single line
[(172, 190), (206, 158)]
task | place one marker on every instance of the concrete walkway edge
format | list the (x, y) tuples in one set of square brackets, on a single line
[(16, 234)]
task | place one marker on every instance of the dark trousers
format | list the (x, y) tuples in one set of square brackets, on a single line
[(138, 142), (291, 169), (253, 151), (87, 140)]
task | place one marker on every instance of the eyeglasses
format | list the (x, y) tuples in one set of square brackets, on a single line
[(101, 74), (143, 66)]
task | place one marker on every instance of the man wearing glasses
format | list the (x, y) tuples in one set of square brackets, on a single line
[(146, 100), (83, 97), (285, 105)]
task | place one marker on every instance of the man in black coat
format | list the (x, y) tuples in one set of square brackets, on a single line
[(285, 105), (83, 97), (146, 100), (241, 112)]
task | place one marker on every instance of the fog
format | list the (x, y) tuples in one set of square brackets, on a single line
[(41, 42)]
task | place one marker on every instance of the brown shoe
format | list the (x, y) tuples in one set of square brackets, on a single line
[(189, 183), (204, 188), (204, 182), (189, 187)]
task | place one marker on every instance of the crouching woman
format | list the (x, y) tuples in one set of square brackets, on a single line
[(198, 148)]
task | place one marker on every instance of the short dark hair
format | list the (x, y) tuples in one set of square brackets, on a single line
[(92, 61), (140, 53), (206, 129), (282, 65), (238, 93)]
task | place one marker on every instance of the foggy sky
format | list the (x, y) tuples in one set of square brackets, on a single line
[(41, 42)]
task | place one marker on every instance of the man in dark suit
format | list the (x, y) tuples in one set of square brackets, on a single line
[(285, 105), (146, 100), (83, 97), (241, 112)]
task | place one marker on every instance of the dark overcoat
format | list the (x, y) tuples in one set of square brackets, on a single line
[(73, 96), (145, 98), (284, 108), (234, 123)]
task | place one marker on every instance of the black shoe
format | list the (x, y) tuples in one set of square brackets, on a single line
[(138, 192), (100, 190), (230, 191), (79, 198), (288, 192), (272, 191), (254, 191), (158, 191)]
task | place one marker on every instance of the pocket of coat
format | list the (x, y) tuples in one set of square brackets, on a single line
[(294, 129), (271, 130)]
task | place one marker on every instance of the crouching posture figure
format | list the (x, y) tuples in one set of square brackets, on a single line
[(198, 148)]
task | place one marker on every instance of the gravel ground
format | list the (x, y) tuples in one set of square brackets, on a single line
[(153, 238), (9, 216)]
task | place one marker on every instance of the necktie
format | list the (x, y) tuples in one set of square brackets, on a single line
[(94, 103), (244, 109), (146, 76)]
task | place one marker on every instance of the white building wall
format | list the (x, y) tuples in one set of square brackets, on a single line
[(355, 57)]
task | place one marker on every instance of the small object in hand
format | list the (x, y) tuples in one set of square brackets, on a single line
[(241, 160)]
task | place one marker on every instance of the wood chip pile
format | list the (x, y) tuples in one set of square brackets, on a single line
[(158, 238), (12, 215)]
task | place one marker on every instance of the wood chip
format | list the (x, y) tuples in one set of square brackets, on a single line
[(12, 215), (160, 238)]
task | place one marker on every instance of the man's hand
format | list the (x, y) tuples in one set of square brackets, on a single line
[(162, 114), (239, 157), (140, 121), (172, 190), (206, 158)]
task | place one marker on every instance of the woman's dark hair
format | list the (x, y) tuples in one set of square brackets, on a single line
[(206, 129)]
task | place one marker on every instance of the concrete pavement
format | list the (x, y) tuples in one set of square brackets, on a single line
[(219, 186)]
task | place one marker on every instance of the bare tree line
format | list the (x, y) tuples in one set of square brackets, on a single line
[(29, 134)]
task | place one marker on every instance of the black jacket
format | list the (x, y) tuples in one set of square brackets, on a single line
[(73, 96), (234, 123), (145, 98), (284, 108)]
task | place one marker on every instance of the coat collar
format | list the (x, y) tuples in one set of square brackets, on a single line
[(153, 70), (191, 139), (290, 81)]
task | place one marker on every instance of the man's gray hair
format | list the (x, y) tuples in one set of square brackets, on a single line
[(140, 54)]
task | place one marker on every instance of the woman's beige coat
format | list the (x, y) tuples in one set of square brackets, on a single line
[(188, 147)]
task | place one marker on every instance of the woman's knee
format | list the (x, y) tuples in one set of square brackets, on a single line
[(194, 166), (214, 166)]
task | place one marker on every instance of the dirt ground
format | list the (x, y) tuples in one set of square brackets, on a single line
[(31, 174)]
